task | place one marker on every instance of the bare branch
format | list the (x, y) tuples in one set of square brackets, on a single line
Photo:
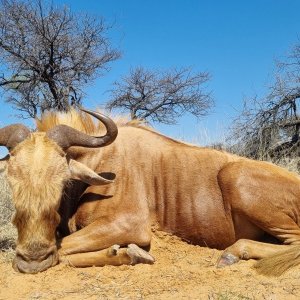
[(161, 96), (269, 127), (49, 54)]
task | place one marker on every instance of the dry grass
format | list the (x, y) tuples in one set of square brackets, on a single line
[(7, 230), (292, 164), (227, 295)]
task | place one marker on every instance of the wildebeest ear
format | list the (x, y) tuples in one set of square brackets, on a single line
[(85, 174)]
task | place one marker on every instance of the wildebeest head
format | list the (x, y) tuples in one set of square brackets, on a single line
[(38, 168)]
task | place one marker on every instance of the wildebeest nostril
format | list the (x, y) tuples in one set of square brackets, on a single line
[(21, 255)]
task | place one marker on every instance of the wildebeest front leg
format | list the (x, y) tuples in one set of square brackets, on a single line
[(102, 234), (85, 247), (114, 256)]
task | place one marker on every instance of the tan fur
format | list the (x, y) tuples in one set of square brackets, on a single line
[(37, 191), (36, 151), (207, 197)]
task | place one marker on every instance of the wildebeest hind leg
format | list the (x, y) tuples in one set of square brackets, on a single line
[(247, 249), (262, 200), (279, 225)]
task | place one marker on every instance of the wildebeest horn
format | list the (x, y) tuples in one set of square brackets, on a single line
[(66, 136), (12, 135)]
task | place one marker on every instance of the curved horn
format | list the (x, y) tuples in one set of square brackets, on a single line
[(66, 136), (12, 135)]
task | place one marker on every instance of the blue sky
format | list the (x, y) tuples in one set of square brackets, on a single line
[(236, 41)]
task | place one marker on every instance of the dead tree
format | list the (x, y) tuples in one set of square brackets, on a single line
[(268, 128), (49, 54), (161, 96)]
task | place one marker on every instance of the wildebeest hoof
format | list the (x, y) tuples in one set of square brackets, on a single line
[(139, 256), (227, 259), (113, 250), (65, 261)]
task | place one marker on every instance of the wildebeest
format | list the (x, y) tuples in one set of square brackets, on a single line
[(77, 196)]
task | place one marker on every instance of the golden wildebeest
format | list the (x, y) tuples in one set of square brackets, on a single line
[(77, 196)]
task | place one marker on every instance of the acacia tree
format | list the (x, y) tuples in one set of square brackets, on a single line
[(268, 128), (49, 54), (161, 96)]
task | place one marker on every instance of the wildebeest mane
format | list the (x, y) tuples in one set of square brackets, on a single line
[(83, 121)]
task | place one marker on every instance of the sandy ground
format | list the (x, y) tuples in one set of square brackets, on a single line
[(181, 271)]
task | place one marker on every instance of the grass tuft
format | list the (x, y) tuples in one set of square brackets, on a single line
[(7, 230)]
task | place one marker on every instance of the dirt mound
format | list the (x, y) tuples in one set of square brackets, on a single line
[(181, 271)]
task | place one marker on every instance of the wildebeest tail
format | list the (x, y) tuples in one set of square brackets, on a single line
[(277, 264)]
